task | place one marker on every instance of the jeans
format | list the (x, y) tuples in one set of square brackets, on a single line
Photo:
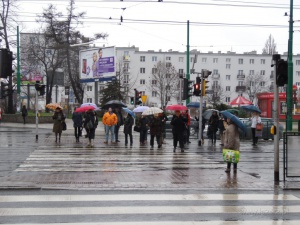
[(117, 127), (112, 130)]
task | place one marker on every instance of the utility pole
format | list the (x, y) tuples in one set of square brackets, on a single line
[(289, 90), (188, 56), (18, 69)]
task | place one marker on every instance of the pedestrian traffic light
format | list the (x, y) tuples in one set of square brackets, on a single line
[(132, 100), (281, 72), (204, 87), (197, 91), (6, 58), (187, 87), (4, 90)]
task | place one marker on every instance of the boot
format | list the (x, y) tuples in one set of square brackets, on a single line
[(89, 144), (92, 143)]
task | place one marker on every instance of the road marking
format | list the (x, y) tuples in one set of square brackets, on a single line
[(147, 197)]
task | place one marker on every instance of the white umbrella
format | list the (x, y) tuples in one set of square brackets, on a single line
[(140, 109), (151, 111)]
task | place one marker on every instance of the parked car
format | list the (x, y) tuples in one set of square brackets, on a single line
[(194, 127), (266, 135)]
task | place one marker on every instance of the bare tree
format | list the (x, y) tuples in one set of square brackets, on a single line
[(270, 46), (65, 34), (217, 96), (255, 84), (165, 81), (8, 20)]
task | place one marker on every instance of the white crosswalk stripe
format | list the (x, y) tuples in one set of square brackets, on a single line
[(150, 209)]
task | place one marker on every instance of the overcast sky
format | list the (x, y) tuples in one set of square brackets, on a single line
[(141, 26)]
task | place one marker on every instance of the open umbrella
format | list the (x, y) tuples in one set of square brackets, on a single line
[(207, 114), (85, 108), (114, 104), (251, 108), (176, 107), (90, 104), (235, 120), (129, 112), (193, 105), (233, 111), (140, 109), (151, 111), (240, 100), (53, 106)]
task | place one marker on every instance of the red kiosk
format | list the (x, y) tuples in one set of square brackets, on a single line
[(266, 102)]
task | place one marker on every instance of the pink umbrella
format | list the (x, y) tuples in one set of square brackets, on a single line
[(85, 108), (240, 100), (176, 107)]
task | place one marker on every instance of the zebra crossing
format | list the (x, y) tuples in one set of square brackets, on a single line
[(150, 208)]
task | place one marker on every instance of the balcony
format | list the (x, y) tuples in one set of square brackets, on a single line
[(215, 87), (216, 76), (240, 89), (126, 58), (126, 70), (241, 76)]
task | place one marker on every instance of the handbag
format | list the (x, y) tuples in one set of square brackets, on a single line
[(259, 126), (231, 156), (64, 125), (137, 128)]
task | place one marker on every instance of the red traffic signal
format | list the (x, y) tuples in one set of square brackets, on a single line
[(197, 90)]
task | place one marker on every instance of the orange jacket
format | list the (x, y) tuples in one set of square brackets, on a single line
[(110, 119)]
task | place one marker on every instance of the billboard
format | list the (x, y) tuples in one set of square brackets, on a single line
[(97, 64)]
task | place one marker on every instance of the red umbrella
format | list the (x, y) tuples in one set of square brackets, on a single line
[(176, 107), (85, 108), (240, 100)]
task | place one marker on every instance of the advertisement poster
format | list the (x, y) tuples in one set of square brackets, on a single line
[(29, 75), (97, 64)]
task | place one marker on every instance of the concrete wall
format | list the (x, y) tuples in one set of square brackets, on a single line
[(17, 118)]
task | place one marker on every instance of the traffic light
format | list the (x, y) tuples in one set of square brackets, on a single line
[(281, 72), (6, 58), (41, 88), (197, 91), (204, 87), (132, 100), (205, 73), (138, 97), (4, 90), (187, 87)]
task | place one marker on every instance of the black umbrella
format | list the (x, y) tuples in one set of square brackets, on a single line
[(114, 104)]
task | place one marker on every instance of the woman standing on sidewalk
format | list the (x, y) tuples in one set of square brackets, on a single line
[(24, 113), (213, 126), (255, 119), (178, 127), (231, 141), (128, 123), (91, 123), (58, 118)]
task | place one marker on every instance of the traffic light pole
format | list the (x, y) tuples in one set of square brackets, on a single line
[(10, 107), (36, 116), (200, 115), (188, 56)]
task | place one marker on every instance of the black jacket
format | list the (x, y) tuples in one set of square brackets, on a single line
[(178, 124), (143, 123), (128, 123), (93, 117)]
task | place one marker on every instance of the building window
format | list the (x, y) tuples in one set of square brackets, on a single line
[(262, 72), (215, 60), (154, 70), (298, 62), (251, 83), (180, 71), (240, 72), (168, 58), (142, 82), (168, 75), (297, 84), (215, 83), (154, 93), (154, 82), (227, 99), (168, 98), (180, 59), (142, 93), (101, 88), (227, 77), (215, 72), (227, 88), (262, 84), (192, 59), (126, 79), (227, 66), (204, 60), (251, 72), (142, 58), (126, 53), (241, 83), (251, 61), (241, 61), (89, 88), (262, 61), (228, 60), (298, 73), (154, 58), (89, 100), (142, 70), (168, 64)]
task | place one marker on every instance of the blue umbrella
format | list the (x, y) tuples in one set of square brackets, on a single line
[(128, 111), (235, 120), (193, 105), (251, 108)]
